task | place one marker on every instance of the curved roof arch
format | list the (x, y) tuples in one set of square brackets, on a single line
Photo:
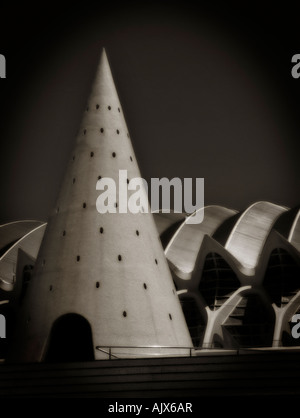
[(164, 221), (29, 243), (183, 249), (13, 231), (294, 235), (248, 236)]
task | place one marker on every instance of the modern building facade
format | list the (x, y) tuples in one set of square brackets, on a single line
[(89, 285), (100, 280), (238, 275)]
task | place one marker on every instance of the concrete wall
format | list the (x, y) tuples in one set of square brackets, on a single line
[(108, 268)]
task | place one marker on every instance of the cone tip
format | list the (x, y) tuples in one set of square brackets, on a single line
[(103, 52), (103, 56)]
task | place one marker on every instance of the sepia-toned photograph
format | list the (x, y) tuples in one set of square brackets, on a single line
[(150, 206)]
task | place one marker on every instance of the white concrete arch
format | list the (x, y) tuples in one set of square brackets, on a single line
[(183, 249), (247, 238), (29, 243), (294, 235), (12, 231)]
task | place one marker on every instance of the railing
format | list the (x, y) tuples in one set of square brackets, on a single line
[(107, 352), (192, 351), (107, 349)]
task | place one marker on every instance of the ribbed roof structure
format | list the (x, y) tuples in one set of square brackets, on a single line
[(225, 302), (104, 278), (238, 275)]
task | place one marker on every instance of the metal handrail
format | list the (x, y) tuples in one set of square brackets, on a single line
[(106, 352), (110, 347), (238, 351)]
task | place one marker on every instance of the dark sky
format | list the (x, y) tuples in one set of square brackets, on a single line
[(207, 92)]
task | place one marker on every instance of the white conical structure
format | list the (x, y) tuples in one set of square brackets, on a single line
[(108, 268)]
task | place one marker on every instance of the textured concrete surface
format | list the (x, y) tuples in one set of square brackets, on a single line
[(108, 268)]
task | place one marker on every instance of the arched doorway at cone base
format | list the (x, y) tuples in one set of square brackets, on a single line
[(70, 340)]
